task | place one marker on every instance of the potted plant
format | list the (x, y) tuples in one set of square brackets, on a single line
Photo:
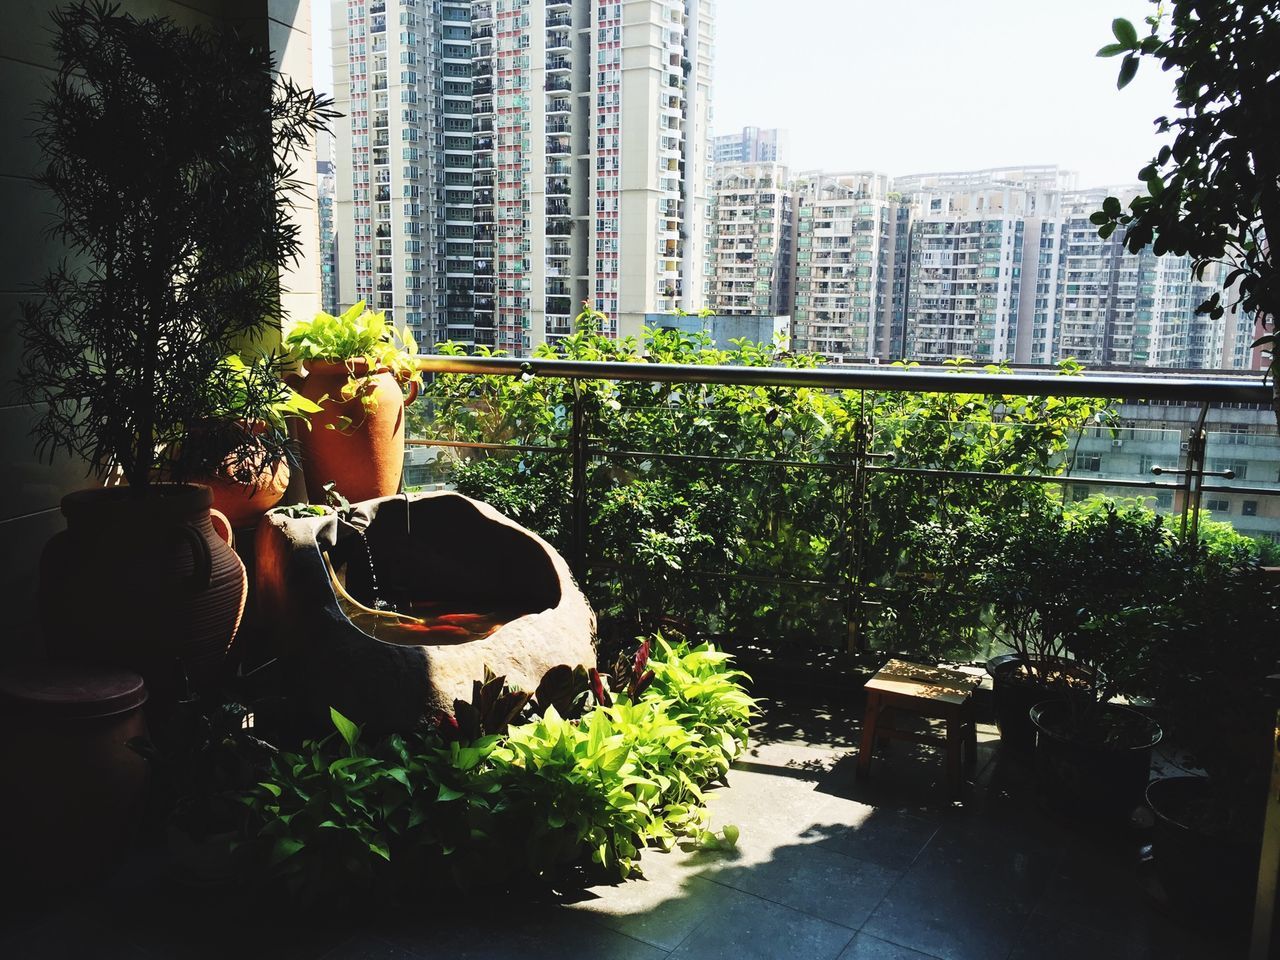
[(1213, 647), (1213, 190), (360, 370), (1032, 585), (1092, 755), (169, 156), (243, 453)]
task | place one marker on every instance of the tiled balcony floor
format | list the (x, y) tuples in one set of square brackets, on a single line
[(825, 868)]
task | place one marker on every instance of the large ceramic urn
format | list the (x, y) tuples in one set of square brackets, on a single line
[(356, 441), (143, 580)]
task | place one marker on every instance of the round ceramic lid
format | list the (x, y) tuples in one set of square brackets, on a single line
[(70, 691)]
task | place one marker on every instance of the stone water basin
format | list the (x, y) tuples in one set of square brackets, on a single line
[(390, 614)]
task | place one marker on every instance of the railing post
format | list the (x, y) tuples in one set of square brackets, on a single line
[(578, 485), (856, 508), (1264, 909)]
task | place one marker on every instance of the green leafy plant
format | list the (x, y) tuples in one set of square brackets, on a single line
[(476, 809), (1213, 189), (171, 157), (1211, 632), (361, 340), (247, 432), (730, 508)]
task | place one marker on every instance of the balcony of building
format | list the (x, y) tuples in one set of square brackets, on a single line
[(814, 522)]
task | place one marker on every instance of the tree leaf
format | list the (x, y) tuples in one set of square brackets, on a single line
[(1125, 32), (1128, 70)]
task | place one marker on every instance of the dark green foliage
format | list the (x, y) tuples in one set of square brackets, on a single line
[(170, 155), (732, 509), (493, 707), (1214, 639), (1213, 189)]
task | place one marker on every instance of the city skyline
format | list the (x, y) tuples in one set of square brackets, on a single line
[(1060, 101)]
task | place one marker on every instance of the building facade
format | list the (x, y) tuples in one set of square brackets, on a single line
[(976, 262), (752, 145), (503, 162), (326, 186), (849, 241), (752, 239)]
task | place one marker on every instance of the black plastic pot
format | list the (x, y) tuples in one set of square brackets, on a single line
[(1093, 780), (1014, 696), (1209, 879)]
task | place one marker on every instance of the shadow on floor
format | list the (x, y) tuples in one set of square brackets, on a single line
[(826, 867)]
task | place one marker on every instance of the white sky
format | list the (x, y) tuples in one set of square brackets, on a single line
[(907, 86)]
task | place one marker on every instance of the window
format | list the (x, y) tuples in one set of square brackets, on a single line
[(1249, 508), (1218, 505), (1088, 461)]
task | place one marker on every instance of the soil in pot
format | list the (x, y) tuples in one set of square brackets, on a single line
[(1099, 772), (1018, 684), (1205, 852)]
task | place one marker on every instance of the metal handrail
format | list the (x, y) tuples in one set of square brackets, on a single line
[(1194, 389)]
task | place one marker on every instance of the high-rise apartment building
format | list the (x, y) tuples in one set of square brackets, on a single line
[(980, 252), (1118, 308), (850, 251), (752, 145), (505, 160), (325, 192), (390, 59), (752, 240)]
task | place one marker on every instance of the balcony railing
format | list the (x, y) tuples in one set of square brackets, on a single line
[(798, 484)]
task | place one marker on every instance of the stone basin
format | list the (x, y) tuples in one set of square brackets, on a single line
[(326, 587)]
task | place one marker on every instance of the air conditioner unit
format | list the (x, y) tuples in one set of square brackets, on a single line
[(1117, 443)]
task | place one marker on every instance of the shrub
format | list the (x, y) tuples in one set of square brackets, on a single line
[(457, 807)]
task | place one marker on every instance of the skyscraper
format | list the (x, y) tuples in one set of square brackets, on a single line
[(752, 246), (1117, 308), (325, 191), (982, 249), (504, 161), (850, 244), (752, 145)]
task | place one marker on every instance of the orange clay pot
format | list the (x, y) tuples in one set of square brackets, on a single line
[(149, 582), (243, 502), (357, 447)]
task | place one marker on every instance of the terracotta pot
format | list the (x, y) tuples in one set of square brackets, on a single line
[(243, 503), (358, 448), (149, 582), (76, 787)]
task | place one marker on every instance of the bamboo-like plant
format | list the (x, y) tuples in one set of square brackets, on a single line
[(171, 155)]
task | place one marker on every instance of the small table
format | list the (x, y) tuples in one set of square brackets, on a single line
[(927, 692)]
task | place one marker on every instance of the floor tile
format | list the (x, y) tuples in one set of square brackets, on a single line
[(966, 897), (886, 837), (816, 881), (505, 931), (662, 910), (867, 947), (753, 929)]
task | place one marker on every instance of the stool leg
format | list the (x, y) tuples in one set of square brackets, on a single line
[(955, 743), (971, 736), (869, 721)]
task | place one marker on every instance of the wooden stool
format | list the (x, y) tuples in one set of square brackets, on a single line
[(926, 692)]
